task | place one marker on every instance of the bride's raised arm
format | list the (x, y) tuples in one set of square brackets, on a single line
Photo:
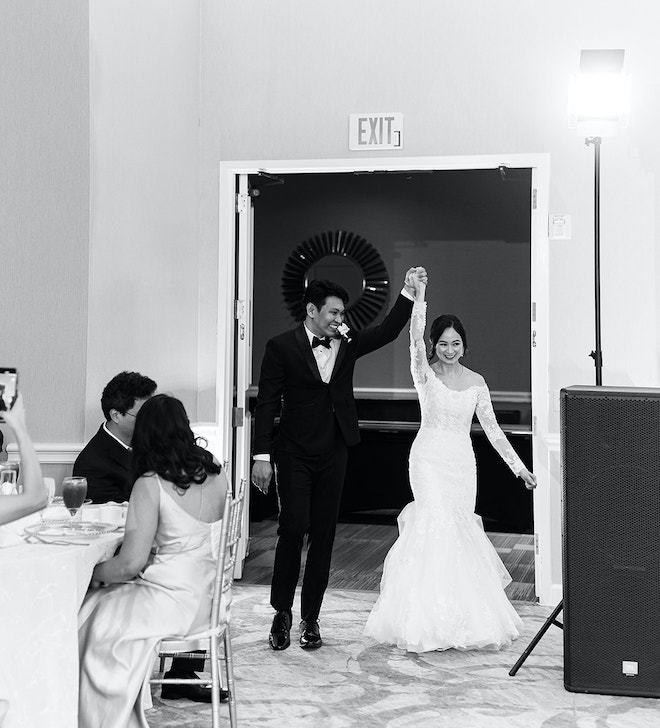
[(418, 362)]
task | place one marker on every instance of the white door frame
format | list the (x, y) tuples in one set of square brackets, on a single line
[(542, 438)]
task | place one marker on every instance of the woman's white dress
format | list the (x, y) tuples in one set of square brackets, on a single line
[(443, 582), (121, 625)]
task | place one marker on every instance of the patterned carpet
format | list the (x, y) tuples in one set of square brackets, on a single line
[(352, 683)]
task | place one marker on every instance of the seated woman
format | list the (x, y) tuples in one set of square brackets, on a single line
[(34, 496), (160, 583)]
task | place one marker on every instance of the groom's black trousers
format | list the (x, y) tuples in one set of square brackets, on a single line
[(309, 490)]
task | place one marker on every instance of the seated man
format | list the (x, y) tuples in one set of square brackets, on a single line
[(106, 462), (106, 459)]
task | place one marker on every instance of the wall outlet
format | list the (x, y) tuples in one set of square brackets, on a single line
[(559, 227)]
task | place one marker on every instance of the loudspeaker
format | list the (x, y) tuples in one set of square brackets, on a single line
[(610, 450)]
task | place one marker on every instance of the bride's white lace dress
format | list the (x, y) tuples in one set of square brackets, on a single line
[(443, 582)]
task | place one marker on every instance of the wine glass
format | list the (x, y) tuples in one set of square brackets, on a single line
[(74, 491)]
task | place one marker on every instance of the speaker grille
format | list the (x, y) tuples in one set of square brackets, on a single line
[(611, 519)]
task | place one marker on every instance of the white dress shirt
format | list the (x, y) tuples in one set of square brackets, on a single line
[(325, 357)]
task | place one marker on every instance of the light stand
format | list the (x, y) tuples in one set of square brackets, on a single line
[(596, 113), (597, 354)]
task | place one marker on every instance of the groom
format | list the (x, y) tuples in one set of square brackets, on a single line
[(308, 373)]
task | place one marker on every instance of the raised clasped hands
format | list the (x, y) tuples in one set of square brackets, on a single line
[(416, 280)]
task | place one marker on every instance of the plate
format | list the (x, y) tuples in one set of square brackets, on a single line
[(58, 500), (66, 530)]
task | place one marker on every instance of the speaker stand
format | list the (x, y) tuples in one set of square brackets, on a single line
[(552, 619)]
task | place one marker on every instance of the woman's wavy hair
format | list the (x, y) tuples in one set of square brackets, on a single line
[(440, 325), (164, 444)]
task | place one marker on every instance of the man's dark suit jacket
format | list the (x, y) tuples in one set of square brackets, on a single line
[(290, 378), (107, 466)]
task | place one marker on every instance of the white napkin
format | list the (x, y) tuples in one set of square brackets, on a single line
[(112, 512)]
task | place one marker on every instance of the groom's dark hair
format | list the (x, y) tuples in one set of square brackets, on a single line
[(317, 292)]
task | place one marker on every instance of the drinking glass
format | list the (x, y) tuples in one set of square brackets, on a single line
[(8, 478), (74, 491)]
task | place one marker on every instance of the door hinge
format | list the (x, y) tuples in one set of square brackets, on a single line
[(237, 417), (534, 425), (536, 543), (533, 199), (239, 308), (533, 311), (241, 202)]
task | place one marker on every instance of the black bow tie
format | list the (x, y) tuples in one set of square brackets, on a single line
[(320, 342)]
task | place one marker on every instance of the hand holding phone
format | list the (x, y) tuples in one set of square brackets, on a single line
[(8, 387)]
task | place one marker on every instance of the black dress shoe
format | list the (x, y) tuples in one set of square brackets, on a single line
[(280, 631), (310, 636), (198, 693)]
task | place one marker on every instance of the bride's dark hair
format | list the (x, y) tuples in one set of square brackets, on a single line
[(164, 444), (440, 325)]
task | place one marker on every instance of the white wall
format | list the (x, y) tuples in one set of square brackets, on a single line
[(473, 78), (144, 228)]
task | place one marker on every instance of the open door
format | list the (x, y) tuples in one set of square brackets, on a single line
[(235, 332), (241, 419)]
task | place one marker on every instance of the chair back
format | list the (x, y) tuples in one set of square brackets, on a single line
[(229, 536)]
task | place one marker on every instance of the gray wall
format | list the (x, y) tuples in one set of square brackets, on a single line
[(44, 209)]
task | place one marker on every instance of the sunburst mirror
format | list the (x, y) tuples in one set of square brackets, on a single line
[(344, 258)]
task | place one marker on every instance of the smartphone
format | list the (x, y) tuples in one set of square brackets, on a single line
[(8, 387)]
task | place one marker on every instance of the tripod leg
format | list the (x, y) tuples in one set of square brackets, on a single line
[(552, 619)]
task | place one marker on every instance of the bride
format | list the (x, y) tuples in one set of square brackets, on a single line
[(443, 582)]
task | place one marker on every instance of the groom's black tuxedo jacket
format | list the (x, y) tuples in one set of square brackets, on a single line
[(290, 378)]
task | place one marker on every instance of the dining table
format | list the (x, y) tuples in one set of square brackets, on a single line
[(42, 586)]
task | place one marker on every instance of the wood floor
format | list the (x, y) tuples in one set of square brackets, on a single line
[(360, 549)]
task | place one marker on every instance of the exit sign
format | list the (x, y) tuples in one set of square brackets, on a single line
[(375, 131)]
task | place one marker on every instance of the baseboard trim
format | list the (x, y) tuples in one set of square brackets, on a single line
[(65, 453), (50, 453)]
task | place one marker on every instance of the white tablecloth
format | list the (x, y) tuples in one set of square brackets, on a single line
[(41, 589)]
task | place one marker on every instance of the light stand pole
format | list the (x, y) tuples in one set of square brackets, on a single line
[(598, 102), (597, 354)]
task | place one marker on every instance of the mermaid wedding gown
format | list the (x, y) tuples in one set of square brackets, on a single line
[(120, 626), (443, 582)]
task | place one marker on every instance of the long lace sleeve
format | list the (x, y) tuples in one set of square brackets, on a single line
[(497, 438), (419, 365)]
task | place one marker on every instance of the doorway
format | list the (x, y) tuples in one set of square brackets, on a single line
[(471, 229), (422, 177)]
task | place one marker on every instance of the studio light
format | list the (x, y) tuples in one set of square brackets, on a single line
[(599, 95)]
